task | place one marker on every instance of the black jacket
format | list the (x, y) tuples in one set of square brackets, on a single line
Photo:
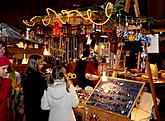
[(33, 83)]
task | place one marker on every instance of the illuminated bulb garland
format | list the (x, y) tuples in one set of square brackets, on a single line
[(89, 12)]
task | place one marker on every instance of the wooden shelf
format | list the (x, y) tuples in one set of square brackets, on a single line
[(25, 51)]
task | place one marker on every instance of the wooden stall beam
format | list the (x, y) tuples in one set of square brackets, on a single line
[(152, 86), (25, 51)]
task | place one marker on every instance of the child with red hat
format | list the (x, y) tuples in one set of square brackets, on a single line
[(5, 85)]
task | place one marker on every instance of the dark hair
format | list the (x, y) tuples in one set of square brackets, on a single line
[(59, 72)]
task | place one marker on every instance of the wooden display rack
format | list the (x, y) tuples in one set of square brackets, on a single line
[(113, 100), (137, 13), (150, 80), (95, 114)]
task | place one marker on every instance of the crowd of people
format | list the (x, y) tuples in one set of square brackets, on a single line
[(32, 96), (29, 96)]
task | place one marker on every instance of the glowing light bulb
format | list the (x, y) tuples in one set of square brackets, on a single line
[(104, 77), (46, 52), (25, 60)]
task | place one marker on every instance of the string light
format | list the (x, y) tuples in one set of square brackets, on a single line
[(68, 13), (31, 21)]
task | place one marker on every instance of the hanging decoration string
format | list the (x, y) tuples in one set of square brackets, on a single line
[(46, 21)]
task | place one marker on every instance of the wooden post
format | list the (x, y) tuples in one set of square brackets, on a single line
[(127, 5), (137, 13), (136, 8), (124, 63), (138, 61), (152, 85)]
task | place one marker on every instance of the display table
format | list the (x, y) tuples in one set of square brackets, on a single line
[(89, 113), (111, 100), (95, 114), (142, 79)]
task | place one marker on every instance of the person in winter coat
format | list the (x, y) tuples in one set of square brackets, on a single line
[(5, 85), (60, 97), (33, 84)]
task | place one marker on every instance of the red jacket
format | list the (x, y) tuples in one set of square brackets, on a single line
[(5, 85), (91, 69)]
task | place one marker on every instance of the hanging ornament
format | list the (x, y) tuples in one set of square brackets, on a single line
[(119, 30), (143, 66), (131, 37), (56, 29), (97, 28), (38, 31), (143, 55), (89, 40), (138, 36), (27, 33), (145, 40), (125, 35)]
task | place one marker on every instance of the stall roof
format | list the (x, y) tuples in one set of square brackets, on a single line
[(11, 35)]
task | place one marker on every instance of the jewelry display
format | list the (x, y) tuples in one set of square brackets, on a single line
[(116, 95)]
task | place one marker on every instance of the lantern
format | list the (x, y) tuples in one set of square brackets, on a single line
[(56, 29)]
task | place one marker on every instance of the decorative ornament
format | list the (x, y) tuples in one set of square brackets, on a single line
[(145, 40), (89, 40), (56, 29), (138, 36), (71, 76), (119, 30), (131, 37), (143, 56), (27, 33)]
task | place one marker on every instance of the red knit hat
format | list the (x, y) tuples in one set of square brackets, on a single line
[(4, 60)]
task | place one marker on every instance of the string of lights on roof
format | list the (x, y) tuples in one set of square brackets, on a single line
[(89, 13)]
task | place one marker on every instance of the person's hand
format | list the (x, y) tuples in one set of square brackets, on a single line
[(91, 76)]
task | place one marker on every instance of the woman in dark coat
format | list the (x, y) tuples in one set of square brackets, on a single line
[(34, 83)]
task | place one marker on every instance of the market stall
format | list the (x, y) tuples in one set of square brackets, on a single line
[(78, 37)]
